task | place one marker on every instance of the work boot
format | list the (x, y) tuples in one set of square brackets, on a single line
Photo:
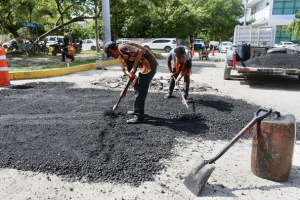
[(130, 112), (73, 58), (135, 120), (167, 96)]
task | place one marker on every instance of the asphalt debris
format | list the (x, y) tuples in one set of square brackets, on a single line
[(56, 129), (285, 61)]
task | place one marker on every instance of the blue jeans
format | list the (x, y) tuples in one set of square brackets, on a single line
[(141, 91)]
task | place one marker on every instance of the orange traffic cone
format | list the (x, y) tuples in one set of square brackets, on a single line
[(4, 76), (213, 51), (193, 51)]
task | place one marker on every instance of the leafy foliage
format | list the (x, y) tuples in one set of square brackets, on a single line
[(294, 27), (211, 19)]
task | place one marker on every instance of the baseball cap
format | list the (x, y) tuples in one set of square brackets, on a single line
[(109, 45)]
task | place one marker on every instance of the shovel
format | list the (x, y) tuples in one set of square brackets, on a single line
[(182, 96), (197, 178), (125, 89)]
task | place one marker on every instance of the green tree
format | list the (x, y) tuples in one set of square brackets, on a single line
[(221, 17), (176, 18), (294, 27), (51, 15), (129, 17)]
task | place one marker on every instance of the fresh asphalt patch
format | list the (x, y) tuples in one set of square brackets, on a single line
[(54, 128)]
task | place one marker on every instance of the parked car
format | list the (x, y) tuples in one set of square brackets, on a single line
[(122, 41), (89, 44), (289, 45), (224, 46), (50, 40), (199, 44), (214, 44), (165, 44), (101, 44), (7, 44)]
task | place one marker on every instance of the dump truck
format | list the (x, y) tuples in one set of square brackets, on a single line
[(254, 53)]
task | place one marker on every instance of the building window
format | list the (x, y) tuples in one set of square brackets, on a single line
[(285, 7), (282, 35)]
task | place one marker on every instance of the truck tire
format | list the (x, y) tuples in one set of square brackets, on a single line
[(227, 71)]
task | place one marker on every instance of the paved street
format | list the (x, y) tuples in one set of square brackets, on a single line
[(232, 178)]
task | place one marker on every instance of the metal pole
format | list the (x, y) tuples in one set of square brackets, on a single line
[(245, 13), (106, 33)]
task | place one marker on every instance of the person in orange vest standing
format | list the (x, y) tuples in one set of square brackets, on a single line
[(135, 57), (4, 75)]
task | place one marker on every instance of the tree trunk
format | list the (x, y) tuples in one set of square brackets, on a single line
[(12, 30), (97, 28), (97, 35), (116, 25)]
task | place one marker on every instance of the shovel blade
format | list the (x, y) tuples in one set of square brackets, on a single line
[(115, 107), (197, 178)]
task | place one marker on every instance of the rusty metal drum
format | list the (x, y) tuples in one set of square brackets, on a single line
[(273, 146)]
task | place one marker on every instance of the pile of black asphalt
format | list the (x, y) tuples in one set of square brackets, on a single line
[(54, 128), (285, 61)]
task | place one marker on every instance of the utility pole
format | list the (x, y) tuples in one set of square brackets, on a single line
[(106, 33), (245, 13), (97, 27)]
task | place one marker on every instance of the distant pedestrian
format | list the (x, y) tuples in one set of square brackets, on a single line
[(135, 56), (66, 41), (181, 67)]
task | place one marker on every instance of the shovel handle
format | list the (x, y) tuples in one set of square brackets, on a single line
[(125, 89), (182, 96), (242, 132), (267, 113)]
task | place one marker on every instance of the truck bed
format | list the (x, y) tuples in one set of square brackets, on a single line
[(277, 64)]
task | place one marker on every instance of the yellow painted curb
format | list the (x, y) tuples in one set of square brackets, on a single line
[(110, 62), (56, 72)]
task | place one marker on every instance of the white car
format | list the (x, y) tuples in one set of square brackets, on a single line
[(288, 45), (224, 46), (122, 41), (165, 44), (214, 44), (53, 39), (90, 44), (7, 44)]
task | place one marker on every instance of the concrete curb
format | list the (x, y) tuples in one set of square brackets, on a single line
[(57, 72)]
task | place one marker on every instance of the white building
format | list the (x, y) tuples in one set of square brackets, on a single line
[(274, 13)]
